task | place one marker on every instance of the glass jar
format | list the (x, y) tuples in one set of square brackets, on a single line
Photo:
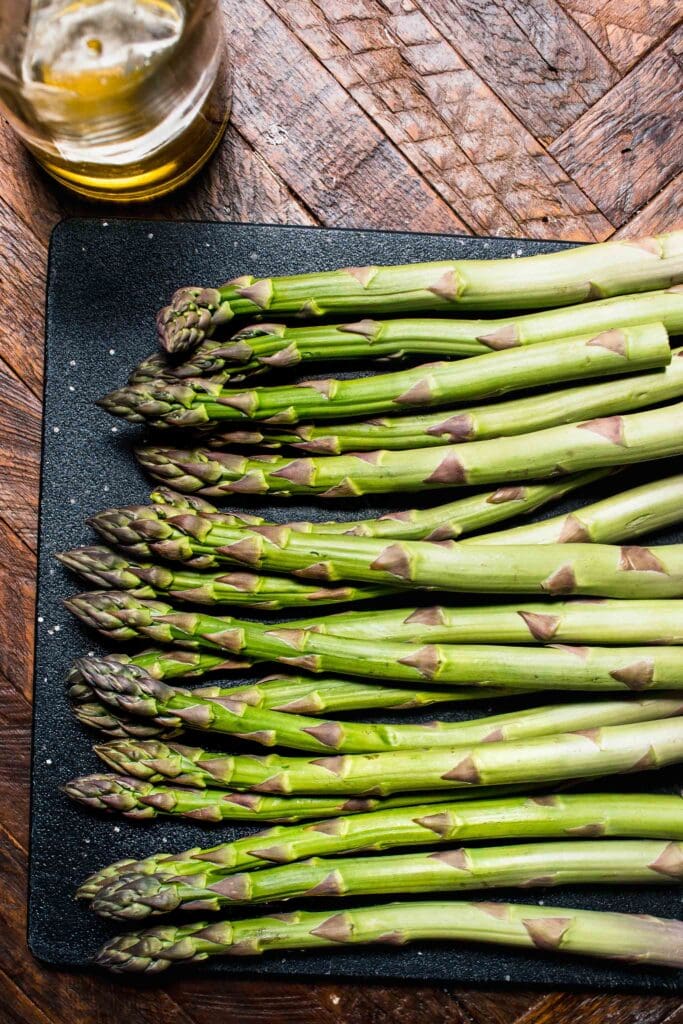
[(118, 99)]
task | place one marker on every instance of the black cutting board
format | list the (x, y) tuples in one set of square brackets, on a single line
[(107, 278)]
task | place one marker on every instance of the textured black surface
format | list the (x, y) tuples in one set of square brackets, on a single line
[(106, 280)]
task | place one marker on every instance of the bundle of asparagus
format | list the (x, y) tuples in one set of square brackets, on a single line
[(373, 785)]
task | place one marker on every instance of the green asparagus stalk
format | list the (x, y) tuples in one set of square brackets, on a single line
[(564, 622), (552, 279), (121, 616), (609, 441), (622, 517), (202, 402), (599, 570), (500, 419), (131, 690), (104, 568), (558, 816), (453, 869), (137, 799), (161, 664), (95, 715), (261, 346), (619, 518), (442, 522), (633, 938), (117, 725), (306, 694), (542, 760)]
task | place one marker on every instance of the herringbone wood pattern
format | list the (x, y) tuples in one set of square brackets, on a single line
[(545, 118)]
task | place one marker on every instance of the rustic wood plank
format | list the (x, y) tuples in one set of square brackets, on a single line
[(35, 198), (19, 453), (445, 120), (569, 1008), (21, 296), (663, 213), (625, 29), (540, 63), (15, 722), (630, 143), (348, 171), (257, 1002), (496, 1007), (18, 1008), (237, 185)]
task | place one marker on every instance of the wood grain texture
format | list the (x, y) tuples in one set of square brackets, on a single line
[(625, 29), (483, 116), (446, 121), (665, 208), (540, 63), (349, 171), (640, 125)]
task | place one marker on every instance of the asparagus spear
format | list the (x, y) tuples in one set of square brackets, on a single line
[(622, 517), (260, 346), (619, 518), (552, 279), (137, 799), (121, 616), (305, 694), (293, 693), (161, 664), (132, 690), (608, 441), (565, 622), (438, 523), (93, 714), (556, 569), (543, 760), (201, 402), (651, 816), (500, 419), (105, 568), (627, 937), (453, 869)]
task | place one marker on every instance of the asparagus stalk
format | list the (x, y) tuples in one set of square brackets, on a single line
[(619, 518), (565, 622), (305, 694), (437, 523), (558, 816), (310, 695), (453, 869), (202, 402), (104, 568), (137, 799), (552, 279), (499, 419), (622, 517), (132, 690), (161, 664), (93, 714), (543, 760), (608, 441), (599, 570), (121, 616), (261, 346), (627, 937)]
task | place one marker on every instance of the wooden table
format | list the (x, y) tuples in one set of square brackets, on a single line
[(544, 118)]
